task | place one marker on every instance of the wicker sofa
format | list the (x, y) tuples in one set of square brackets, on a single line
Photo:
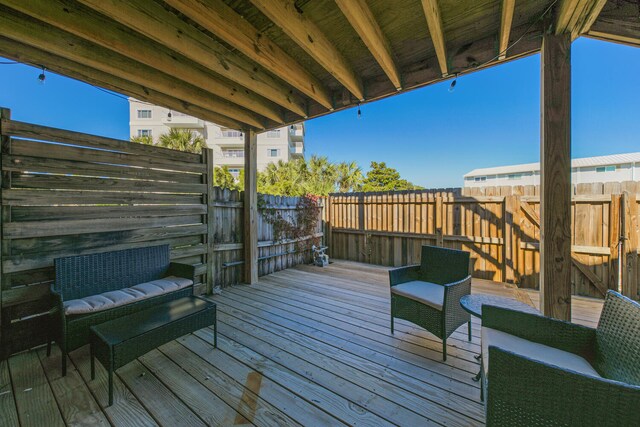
[(428, 294), (542, 371), (92, 289)]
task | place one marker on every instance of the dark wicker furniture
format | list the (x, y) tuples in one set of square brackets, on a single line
[(448, 269), (118, 342), (524, 390), (86, 275)]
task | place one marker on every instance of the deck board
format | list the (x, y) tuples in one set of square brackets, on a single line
[(304, 346)]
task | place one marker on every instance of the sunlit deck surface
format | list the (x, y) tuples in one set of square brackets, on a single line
[(306, 346)]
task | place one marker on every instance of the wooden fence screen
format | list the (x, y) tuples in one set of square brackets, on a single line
[(501, 232), (67, 193)]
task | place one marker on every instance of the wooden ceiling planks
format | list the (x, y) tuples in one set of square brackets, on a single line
[(282, 61)]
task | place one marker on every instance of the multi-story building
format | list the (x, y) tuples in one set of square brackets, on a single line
[(612, 168), (284, 144)]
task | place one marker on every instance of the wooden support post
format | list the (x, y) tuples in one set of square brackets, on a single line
[(250, 224), (615, 222), (361, 212), (207, 159), (622, 246), (5, 114), (555, 159)]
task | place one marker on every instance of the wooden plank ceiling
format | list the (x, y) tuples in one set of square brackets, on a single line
[(265, 63)]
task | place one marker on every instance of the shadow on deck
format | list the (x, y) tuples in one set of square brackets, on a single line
[(306, 346)]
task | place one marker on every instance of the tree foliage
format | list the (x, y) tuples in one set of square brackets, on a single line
[(176, 139), (383, 178), (223, 178)]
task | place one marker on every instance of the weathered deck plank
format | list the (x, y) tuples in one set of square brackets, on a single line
[(305, 346)]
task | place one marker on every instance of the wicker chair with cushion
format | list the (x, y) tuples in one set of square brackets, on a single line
[(542, 371), (92, 289), (428, 294)]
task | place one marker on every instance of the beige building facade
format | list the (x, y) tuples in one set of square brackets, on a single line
[(284, 144)]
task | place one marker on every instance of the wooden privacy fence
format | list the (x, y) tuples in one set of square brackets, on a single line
[(67, 193), (501, 232)]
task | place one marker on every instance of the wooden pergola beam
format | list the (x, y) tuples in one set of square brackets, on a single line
[(22, 28), (85, 23), (223, 22), (434, 22), (308, 36), (250, 208), (364, 23), (30, 55), (576, 17), (154, 21), (506, 20), (555, 177)]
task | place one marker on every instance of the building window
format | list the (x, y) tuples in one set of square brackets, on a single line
[(480, 178), (273, 152), (273, 133), (229, 133), (233, 153), (514, 176), (606, 169), (144, 132), (235, 173), (144, 114)]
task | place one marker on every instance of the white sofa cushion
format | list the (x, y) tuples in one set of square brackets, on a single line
[(533, 350), (427, 293), (111, 299)]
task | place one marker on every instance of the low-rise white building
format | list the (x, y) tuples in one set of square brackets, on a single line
[(228, 145), (612, 168)]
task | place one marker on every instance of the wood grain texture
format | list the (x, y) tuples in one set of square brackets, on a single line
[(434, 22), (309, 37), (364, 23), (250, 210), (555, 176), (77, 49), (506, 20), (225, 23)]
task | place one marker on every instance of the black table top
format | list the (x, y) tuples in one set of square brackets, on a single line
[(473, 304), (133, 325)]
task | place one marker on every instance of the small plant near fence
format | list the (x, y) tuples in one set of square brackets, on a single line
[(300, 227)]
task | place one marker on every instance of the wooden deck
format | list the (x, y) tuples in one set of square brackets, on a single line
[(306, 346)]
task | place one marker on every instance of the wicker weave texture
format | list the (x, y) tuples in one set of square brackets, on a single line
[(85, 275)]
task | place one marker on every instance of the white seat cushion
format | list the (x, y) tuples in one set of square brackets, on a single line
[(120, 297), (427, 293), (533, 350)]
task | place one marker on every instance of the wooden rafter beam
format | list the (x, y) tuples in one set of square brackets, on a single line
[(95, 28), (308, 36), (364, 23), (508, 7), (35, 33), (434, 22), (154, 21), (30, 55), (576, 17), (223, 22)]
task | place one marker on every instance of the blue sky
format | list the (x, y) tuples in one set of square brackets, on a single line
[(432, 136)]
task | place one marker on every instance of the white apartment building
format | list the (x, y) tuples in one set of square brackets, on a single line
[(612, 168), (228, 145)]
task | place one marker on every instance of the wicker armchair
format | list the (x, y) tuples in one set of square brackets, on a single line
[(554, 373), (429, 294)]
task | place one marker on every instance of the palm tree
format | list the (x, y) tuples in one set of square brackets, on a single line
[(146, 139), (321, 176), (182, 140), (349, 177)]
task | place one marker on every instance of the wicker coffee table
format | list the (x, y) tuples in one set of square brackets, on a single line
[(118, 342), (473, 305)]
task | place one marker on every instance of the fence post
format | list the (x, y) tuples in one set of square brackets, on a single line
[(438, 220), (632, 245), (614, 239), (207, 157), (510, 207)]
